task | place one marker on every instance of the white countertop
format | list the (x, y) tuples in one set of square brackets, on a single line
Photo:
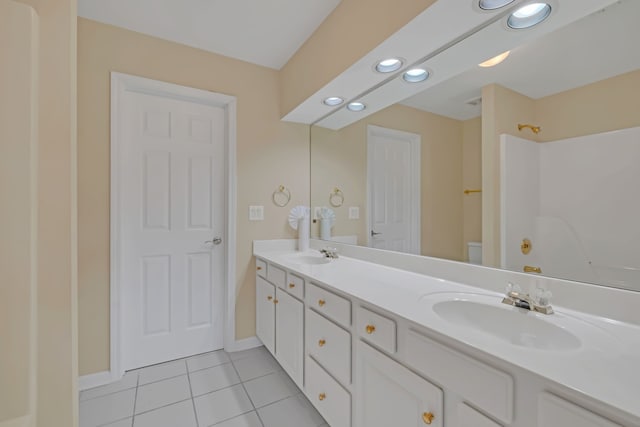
[(606, 367)]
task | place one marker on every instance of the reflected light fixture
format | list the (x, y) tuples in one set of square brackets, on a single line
[(332, 101), (356, 106), (388, 65), (529, 15), (495, 60), (493, 4), (415, 75)]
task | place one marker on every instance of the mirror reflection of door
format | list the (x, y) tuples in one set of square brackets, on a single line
[(393, 189)]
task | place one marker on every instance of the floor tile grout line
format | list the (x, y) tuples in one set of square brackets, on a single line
[(247, 393), (135, 400), (193, 402)]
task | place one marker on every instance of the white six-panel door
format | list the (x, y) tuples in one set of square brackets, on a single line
[(393, 174), (172, 228)]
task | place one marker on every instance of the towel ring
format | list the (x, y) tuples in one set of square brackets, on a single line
[(336, 198), (281, 196)]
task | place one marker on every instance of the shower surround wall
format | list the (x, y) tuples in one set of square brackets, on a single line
[(573, 198)]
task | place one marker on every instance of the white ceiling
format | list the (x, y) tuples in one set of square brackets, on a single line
[(263, 32), (599, 46)]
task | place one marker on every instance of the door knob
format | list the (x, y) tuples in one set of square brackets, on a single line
[(214, 241), (373, 233)]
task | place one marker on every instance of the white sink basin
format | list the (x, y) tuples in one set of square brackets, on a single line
[(519, 327), (307, 259)]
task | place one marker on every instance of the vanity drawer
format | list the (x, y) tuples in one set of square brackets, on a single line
[(480, 384), (277, 276), (330, 345), (261, 268), (377, 329), (329, 304), (295, 285), (330, 399)]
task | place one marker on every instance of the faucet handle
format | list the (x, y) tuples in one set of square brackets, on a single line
[(512, 287), (542, 297)]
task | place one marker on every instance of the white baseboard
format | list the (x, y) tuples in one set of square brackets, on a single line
[(17, 422), (244, 344), (86, 382)]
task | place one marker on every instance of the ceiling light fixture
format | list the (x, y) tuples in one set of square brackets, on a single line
[(388, 65), (332, 101), (356, 106), (495, 60), (529, 15), (494, 4), (415, 75)]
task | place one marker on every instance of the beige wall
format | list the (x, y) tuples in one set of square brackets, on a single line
[(471, 180), (18, 198), (603, 106), (352, 30), (599, 107), (339, 159), (269, 153)]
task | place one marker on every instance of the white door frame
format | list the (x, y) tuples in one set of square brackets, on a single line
[(121, 83), (414, 168)]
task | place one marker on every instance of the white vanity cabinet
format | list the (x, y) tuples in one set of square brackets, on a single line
[(280, 324), (388, 394), (365, 366)]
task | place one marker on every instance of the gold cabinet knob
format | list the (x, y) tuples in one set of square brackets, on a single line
[(275, 301), (427, 417), (321, 302), (322, 396), (370, 329), (292, 285), (321, 343), (258, 268), (269, 298)]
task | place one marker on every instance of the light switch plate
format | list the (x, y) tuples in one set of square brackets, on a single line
[(256, 213), (354, 212)]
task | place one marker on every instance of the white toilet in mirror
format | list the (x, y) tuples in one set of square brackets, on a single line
[(474, 252)]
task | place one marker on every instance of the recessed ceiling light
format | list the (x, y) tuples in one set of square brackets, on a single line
[(332, 101), (388, 65), (415, 75), (495, 60), (494, 4), (356, 106), (529, 15)]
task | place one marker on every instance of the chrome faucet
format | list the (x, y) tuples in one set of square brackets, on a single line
[(331, 253), (538, 303)]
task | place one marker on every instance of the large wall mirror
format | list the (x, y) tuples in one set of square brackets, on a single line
[(414, 175)]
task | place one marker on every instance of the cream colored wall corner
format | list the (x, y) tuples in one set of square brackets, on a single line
[(55, 397), (471, 180), (18, 220), (352, 30), (269, 153), (340, 159)]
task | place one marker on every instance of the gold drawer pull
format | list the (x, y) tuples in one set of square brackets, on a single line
[(321, 302), (269, 298), (530, 269), (427, 417), (321, 343), (292, 285), (370, 329), (322, 396), (258, 268), (275, 301)]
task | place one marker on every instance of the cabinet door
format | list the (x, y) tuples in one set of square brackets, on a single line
[(289, 335), (388, 394), (265, 313)]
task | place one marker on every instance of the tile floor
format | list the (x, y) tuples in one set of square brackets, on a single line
[(243, 389)]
